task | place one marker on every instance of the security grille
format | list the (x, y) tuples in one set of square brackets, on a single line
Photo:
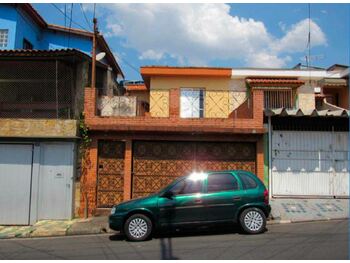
[(282, 98), (36, 89)]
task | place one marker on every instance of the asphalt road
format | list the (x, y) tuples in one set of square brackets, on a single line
[(317, 240)]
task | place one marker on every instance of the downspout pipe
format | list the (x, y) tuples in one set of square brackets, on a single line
[(270, 155)]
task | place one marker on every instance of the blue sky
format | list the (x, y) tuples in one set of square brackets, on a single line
[(223, 35)]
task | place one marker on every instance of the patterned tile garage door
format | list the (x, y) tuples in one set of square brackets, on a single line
[(110, 180), (157, 163)]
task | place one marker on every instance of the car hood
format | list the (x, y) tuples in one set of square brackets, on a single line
[(143, 201)]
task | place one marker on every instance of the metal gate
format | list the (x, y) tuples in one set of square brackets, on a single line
[(157, 163), (110, 180), (310, 163), (15, 183), (55, 181)]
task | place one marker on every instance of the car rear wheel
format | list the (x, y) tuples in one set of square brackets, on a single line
[(138, 227), (253, 220)]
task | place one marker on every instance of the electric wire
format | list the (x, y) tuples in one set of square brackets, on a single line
[(86, 19), (73, 22)]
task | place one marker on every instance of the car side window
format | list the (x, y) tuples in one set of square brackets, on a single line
[(247, 181), (221, 182), (187, 186)]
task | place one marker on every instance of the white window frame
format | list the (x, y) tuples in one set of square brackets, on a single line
[(192, 110), (4, 35)]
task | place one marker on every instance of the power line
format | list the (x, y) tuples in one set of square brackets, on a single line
[(70, 23), (65, 14), (87, 20), (130, 65), (73, 22)]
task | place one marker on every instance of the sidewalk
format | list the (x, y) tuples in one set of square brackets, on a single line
[(50, 228), (283, 211), (301, 210)]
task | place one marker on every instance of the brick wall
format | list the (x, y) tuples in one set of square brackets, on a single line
[(170, 128)]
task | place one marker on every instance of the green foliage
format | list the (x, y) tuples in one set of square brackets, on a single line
[(84, 134)]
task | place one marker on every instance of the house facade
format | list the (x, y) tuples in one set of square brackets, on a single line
[(41, 102), (192, 119)]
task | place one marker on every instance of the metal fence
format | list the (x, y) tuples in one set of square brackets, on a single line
[(36, 89)]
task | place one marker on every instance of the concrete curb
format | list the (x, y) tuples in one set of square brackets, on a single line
[(102, 230)]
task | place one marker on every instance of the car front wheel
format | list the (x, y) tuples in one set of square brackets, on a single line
[(253, 220), (138, 227)]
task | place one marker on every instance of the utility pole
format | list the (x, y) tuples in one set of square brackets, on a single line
[(93, 66)]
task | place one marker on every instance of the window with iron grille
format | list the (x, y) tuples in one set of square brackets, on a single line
[(3, 37), (192, 103), (279, 98)]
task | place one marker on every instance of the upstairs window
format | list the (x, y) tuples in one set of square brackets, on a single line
[(27, 44), (278, 98), (192, 103), (3, 37)]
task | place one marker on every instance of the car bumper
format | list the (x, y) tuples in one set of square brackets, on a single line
[(115, 222)]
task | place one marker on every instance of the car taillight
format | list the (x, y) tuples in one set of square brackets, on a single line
[(266, 196)]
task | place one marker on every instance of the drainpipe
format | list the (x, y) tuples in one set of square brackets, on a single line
[(270, 154)]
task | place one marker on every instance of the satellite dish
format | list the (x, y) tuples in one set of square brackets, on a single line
[(100, 56)]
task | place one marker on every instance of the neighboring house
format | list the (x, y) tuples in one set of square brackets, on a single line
[(309, 149), (41, 102), (200, 119)]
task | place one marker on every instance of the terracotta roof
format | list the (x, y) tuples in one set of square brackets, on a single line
[(37, 18), (41, 52), (185, 71), (75, 31), (136, 87), (274, 81), (30, 53)]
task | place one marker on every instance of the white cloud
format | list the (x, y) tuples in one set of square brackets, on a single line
[(296, 38), (151, 54), (195, 34)]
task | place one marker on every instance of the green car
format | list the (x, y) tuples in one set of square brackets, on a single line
[(197, 199)]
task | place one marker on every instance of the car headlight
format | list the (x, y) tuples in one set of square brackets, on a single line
[(113, 210)]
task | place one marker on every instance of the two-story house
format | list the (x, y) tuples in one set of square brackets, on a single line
[(181, 119), (43, 72)]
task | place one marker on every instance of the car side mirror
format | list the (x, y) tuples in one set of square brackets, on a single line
[(168, 194)]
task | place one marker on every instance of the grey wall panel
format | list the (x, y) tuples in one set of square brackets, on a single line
[(15, 183), (310, 163)]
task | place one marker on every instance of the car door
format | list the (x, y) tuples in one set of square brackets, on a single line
[(185, 206), (223, 196)]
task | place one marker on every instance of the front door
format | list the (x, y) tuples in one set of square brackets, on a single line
[(55, 181), (222, 198), (185, 206)]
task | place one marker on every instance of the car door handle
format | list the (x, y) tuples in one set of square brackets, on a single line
[(198, 201), (237, 198)]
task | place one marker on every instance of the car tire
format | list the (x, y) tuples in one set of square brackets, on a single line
[(138, 227), (253, 220)]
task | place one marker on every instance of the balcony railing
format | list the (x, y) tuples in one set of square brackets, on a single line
[(121, 106)]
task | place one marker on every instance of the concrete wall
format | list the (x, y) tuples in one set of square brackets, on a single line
[(33, 128), (306, 96), (59, 40), (28, 30), (8, 20)]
